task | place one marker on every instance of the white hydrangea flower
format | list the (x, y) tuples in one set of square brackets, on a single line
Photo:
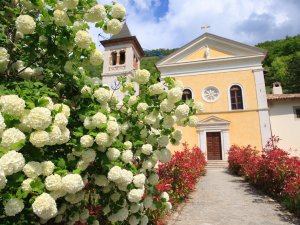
[(61, 18), (147, 149), (86, 91), (135, 207), (39, 118), (54, 135), (133, 220), (113, 154), (127, 156), (113, 128), (84, 215), (75, 198), (47, 168), (2, 125), (165, 195), (99, 119), (193, 121), (142, 107), (118, 11), (96, 57), (27, 74), (12, 105), (125, 178), (148, 201), (70, 4), (26, 185), (166, 105), (64, 109), (156, 89), (114, 173), (13, 206), (144, 133), (87, 141), (132, 100), (144, 220), (83, 39), (169, 121), (165, 155), (102, 139), (128, 145), (60, 120), (135, 195), (88, 124), (168, 206), (142, 76), (147, 165), (199, 107), (82, 165), (65, 136), (3, 179), (12, 136), (44, 206), (95, 14), (139, 180), (33, 169), (12, 162), (89, 156), (177, 135), (163, 140), (72, 183), (153, 179), (53, 182), (115, 196), (101, 181), (122, 214), (25, 24), (39, 138), (114, 26), (182, 111), (58, 194), (102, 95), (4, 59), (175, 95)]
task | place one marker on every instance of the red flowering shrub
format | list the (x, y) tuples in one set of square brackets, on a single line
[(272, 171), (182, 172), (178, 177)]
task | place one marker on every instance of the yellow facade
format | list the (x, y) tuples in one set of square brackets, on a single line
[(244, 124)]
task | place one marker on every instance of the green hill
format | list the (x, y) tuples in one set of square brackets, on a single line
[(282, 62)]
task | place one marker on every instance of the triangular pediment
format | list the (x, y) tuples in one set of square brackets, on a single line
[(210, 47), (214, 120)]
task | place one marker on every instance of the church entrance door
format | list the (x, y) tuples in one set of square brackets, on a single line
[(214, 148)]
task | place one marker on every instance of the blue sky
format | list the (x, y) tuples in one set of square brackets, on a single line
[(173, 23)]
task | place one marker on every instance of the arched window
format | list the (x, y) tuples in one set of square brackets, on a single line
[(122, 57), (114, 58), (236, 97), (187, 94)]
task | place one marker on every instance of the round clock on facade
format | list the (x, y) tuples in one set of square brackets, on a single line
[(210, 94)]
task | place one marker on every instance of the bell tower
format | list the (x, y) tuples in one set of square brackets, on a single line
[(122, 56)]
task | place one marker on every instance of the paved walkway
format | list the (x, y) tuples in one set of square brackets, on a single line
[(224, 199)]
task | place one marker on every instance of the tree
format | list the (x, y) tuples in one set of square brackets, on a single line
[(293, 83)]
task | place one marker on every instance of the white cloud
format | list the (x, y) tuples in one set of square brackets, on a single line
[(248, 21)]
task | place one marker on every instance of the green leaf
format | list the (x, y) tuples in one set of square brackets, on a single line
[(77, 171), (37, 185), (61, 164)]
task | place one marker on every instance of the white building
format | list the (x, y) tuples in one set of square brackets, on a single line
[(284, 112)]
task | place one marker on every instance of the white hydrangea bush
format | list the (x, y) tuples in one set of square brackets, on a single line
[(70, 151)]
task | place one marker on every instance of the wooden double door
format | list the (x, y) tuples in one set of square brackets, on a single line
[(214, 147)]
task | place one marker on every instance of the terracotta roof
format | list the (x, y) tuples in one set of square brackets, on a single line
[(283, 97)]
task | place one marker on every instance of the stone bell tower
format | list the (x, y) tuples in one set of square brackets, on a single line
[(122, 56)]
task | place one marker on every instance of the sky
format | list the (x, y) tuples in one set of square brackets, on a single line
[(173, 23)]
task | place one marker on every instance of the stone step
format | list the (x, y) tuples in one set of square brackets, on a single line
[(217, 164)]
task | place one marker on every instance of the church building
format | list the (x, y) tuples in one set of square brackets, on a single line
[(227, 76)]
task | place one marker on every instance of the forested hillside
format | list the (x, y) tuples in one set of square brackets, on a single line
[(282, 62)]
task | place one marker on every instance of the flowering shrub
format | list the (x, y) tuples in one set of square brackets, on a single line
[(71, 152), (179, 176), (273, 171)]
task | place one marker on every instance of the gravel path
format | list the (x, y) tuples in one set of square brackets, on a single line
[(224, 199)]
